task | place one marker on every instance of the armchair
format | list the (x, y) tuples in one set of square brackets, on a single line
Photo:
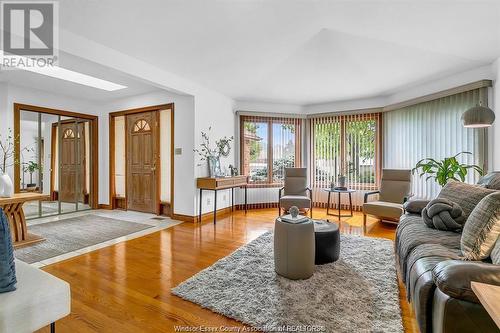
[(394, 191), (295, 191)]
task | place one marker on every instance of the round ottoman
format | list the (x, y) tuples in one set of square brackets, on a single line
[(327, 240), (294, 249)]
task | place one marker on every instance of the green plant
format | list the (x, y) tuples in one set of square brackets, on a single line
[(443, 171), (31, 167)]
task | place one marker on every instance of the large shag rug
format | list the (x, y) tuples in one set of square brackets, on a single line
[(358, 293)]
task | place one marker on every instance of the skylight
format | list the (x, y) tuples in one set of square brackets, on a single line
[(27, 64), (76, 77)]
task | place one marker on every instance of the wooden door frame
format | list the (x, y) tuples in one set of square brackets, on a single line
[(52, 156), (156, 109), (94, 147)]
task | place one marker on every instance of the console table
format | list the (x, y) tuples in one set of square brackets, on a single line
[(13, 209), (222, 183)]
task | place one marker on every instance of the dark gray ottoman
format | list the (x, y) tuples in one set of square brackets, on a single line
[(327, 238)]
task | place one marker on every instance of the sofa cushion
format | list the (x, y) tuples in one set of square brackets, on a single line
[(436, 251), (383, 209), (467, 196), (412, 232), (482, 229), (7, 266)]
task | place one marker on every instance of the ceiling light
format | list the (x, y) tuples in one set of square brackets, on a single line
[(478, 116)]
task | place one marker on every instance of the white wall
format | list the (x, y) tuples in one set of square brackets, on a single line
[(215, 111), (350, 105), (267, 107)]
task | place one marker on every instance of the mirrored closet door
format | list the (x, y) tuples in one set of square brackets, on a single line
[(55, 158)]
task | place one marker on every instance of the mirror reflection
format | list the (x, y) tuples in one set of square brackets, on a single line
[(55, 159)]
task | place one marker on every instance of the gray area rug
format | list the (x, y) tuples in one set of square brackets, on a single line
[(74, 233), (358, 293)]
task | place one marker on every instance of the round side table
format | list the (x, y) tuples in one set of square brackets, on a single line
[(332, 190)]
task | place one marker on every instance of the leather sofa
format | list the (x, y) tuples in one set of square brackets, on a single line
[(437, 281)]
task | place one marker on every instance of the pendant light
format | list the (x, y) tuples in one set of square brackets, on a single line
[(478, 116)]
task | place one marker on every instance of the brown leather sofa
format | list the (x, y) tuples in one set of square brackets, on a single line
[(437, 281)]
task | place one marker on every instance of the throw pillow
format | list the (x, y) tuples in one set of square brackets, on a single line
[(482, 229), (442, 214), (495, 253), (465, 195), (491, 180), (7, 265), (415, 206)]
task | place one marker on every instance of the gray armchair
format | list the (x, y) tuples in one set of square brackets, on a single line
[(394, 191), (295, 191)]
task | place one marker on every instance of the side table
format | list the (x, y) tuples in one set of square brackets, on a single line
[(332, 190)]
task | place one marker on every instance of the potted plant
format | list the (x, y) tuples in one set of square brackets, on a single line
[(448, 168), (31, 167), (348, 169), (212, 154)]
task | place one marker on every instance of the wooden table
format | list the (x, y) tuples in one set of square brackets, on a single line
[(489, 296), (223, 183), (13, 209)]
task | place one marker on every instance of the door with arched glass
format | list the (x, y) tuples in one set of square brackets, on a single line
[(141, 161)]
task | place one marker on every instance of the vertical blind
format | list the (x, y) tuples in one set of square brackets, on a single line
[(268, 145), (432, 129), (346, 145)]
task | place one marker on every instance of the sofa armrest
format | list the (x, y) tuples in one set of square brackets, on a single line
[(415, 206), (310, 193), (454, 277), (368, 194)]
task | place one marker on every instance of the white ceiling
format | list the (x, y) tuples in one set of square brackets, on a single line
[(301, 52), (67, 88)]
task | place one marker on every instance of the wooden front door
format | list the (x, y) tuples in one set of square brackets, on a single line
[(72, 157), (141, 162)]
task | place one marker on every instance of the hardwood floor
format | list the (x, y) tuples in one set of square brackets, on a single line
[(126, 287)]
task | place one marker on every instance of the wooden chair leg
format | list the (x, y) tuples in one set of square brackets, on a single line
[(53, 328), (364, 223)]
